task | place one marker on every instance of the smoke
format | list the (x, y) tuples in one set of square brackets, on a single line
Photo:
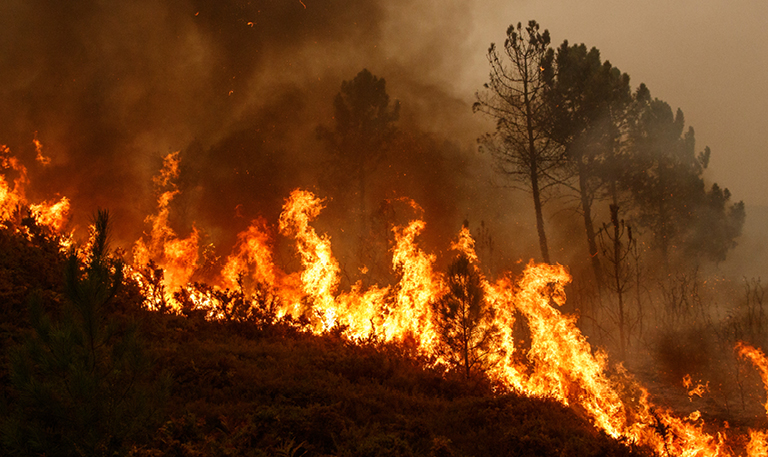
[(240, 87), (109, 88)]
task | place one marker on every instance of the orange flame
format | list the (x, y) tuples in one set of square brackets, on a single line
[(320, 276), (11, 197), (557, 361), (176, 256), (251, 252), (758, 359), (52, 215), (39, 150), (699, 390)]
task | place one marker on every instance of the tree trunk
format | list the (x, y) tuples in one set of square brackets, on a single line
[(586, 207), (362, 223), (539, 218), (534, 170), (617, 274)]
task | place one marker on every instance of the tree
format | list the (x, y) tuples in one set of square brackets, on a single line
[(587, 102), (464, 320), (364, 127), (717, 223), (670, 195), (520, 146), (617, 252), (81, 381)]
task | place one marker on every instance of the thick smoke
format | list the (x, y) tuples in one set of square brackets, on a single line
[(239, 88)]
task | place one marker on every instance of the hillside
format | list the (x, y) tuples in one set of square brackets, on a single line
[(267, 388)]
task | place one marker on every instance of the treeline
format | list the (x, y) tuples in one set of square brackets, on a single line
[(569, 124)]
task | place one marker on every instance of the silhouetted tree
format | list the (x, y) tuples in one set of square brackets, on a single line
[(514, 97), (717, 223), (464, 320), (80, 380), (670, 196), (587, 102), (364, 127)]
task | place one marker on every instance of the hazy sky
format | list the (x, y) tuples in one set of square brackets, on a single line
[(237, 85), (706, 57)]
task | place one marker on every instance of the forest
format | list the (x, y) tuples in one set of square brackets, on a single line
[(330, 277)]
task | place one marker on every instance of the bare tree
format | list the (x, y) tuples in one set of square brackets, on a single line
[(618, 269)]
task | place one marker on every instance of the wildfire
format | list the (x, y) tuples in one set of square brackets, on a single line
[(556, 361), (176, 256), (699, 390), (320, 277), (53, 215), (13, 197), (758, 359)]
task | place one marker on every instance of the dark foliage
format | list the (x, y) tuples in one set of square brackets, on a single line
[(282, 392), (464, 320), (80, 382)]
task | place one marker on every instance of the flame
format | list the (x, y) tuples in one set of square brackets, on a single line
[(758, 359), (559, 362), (758, 440), (176, 256), (52, 215), (251, 252), (411, 315), (700, 389), (39, 150), (758, 444), (11, 197), (555, 360), (320, 277)]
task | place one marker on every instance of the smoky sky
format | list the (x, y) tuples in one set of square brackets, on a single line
[(239, 87), (704, 57)]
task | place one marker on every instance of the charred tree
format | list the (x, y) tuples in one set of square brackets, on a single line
[(513, 96)]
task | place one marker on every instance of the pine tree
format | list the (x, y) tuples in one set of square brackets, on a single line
[(514, 97), (464, 320), (81, 380)]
